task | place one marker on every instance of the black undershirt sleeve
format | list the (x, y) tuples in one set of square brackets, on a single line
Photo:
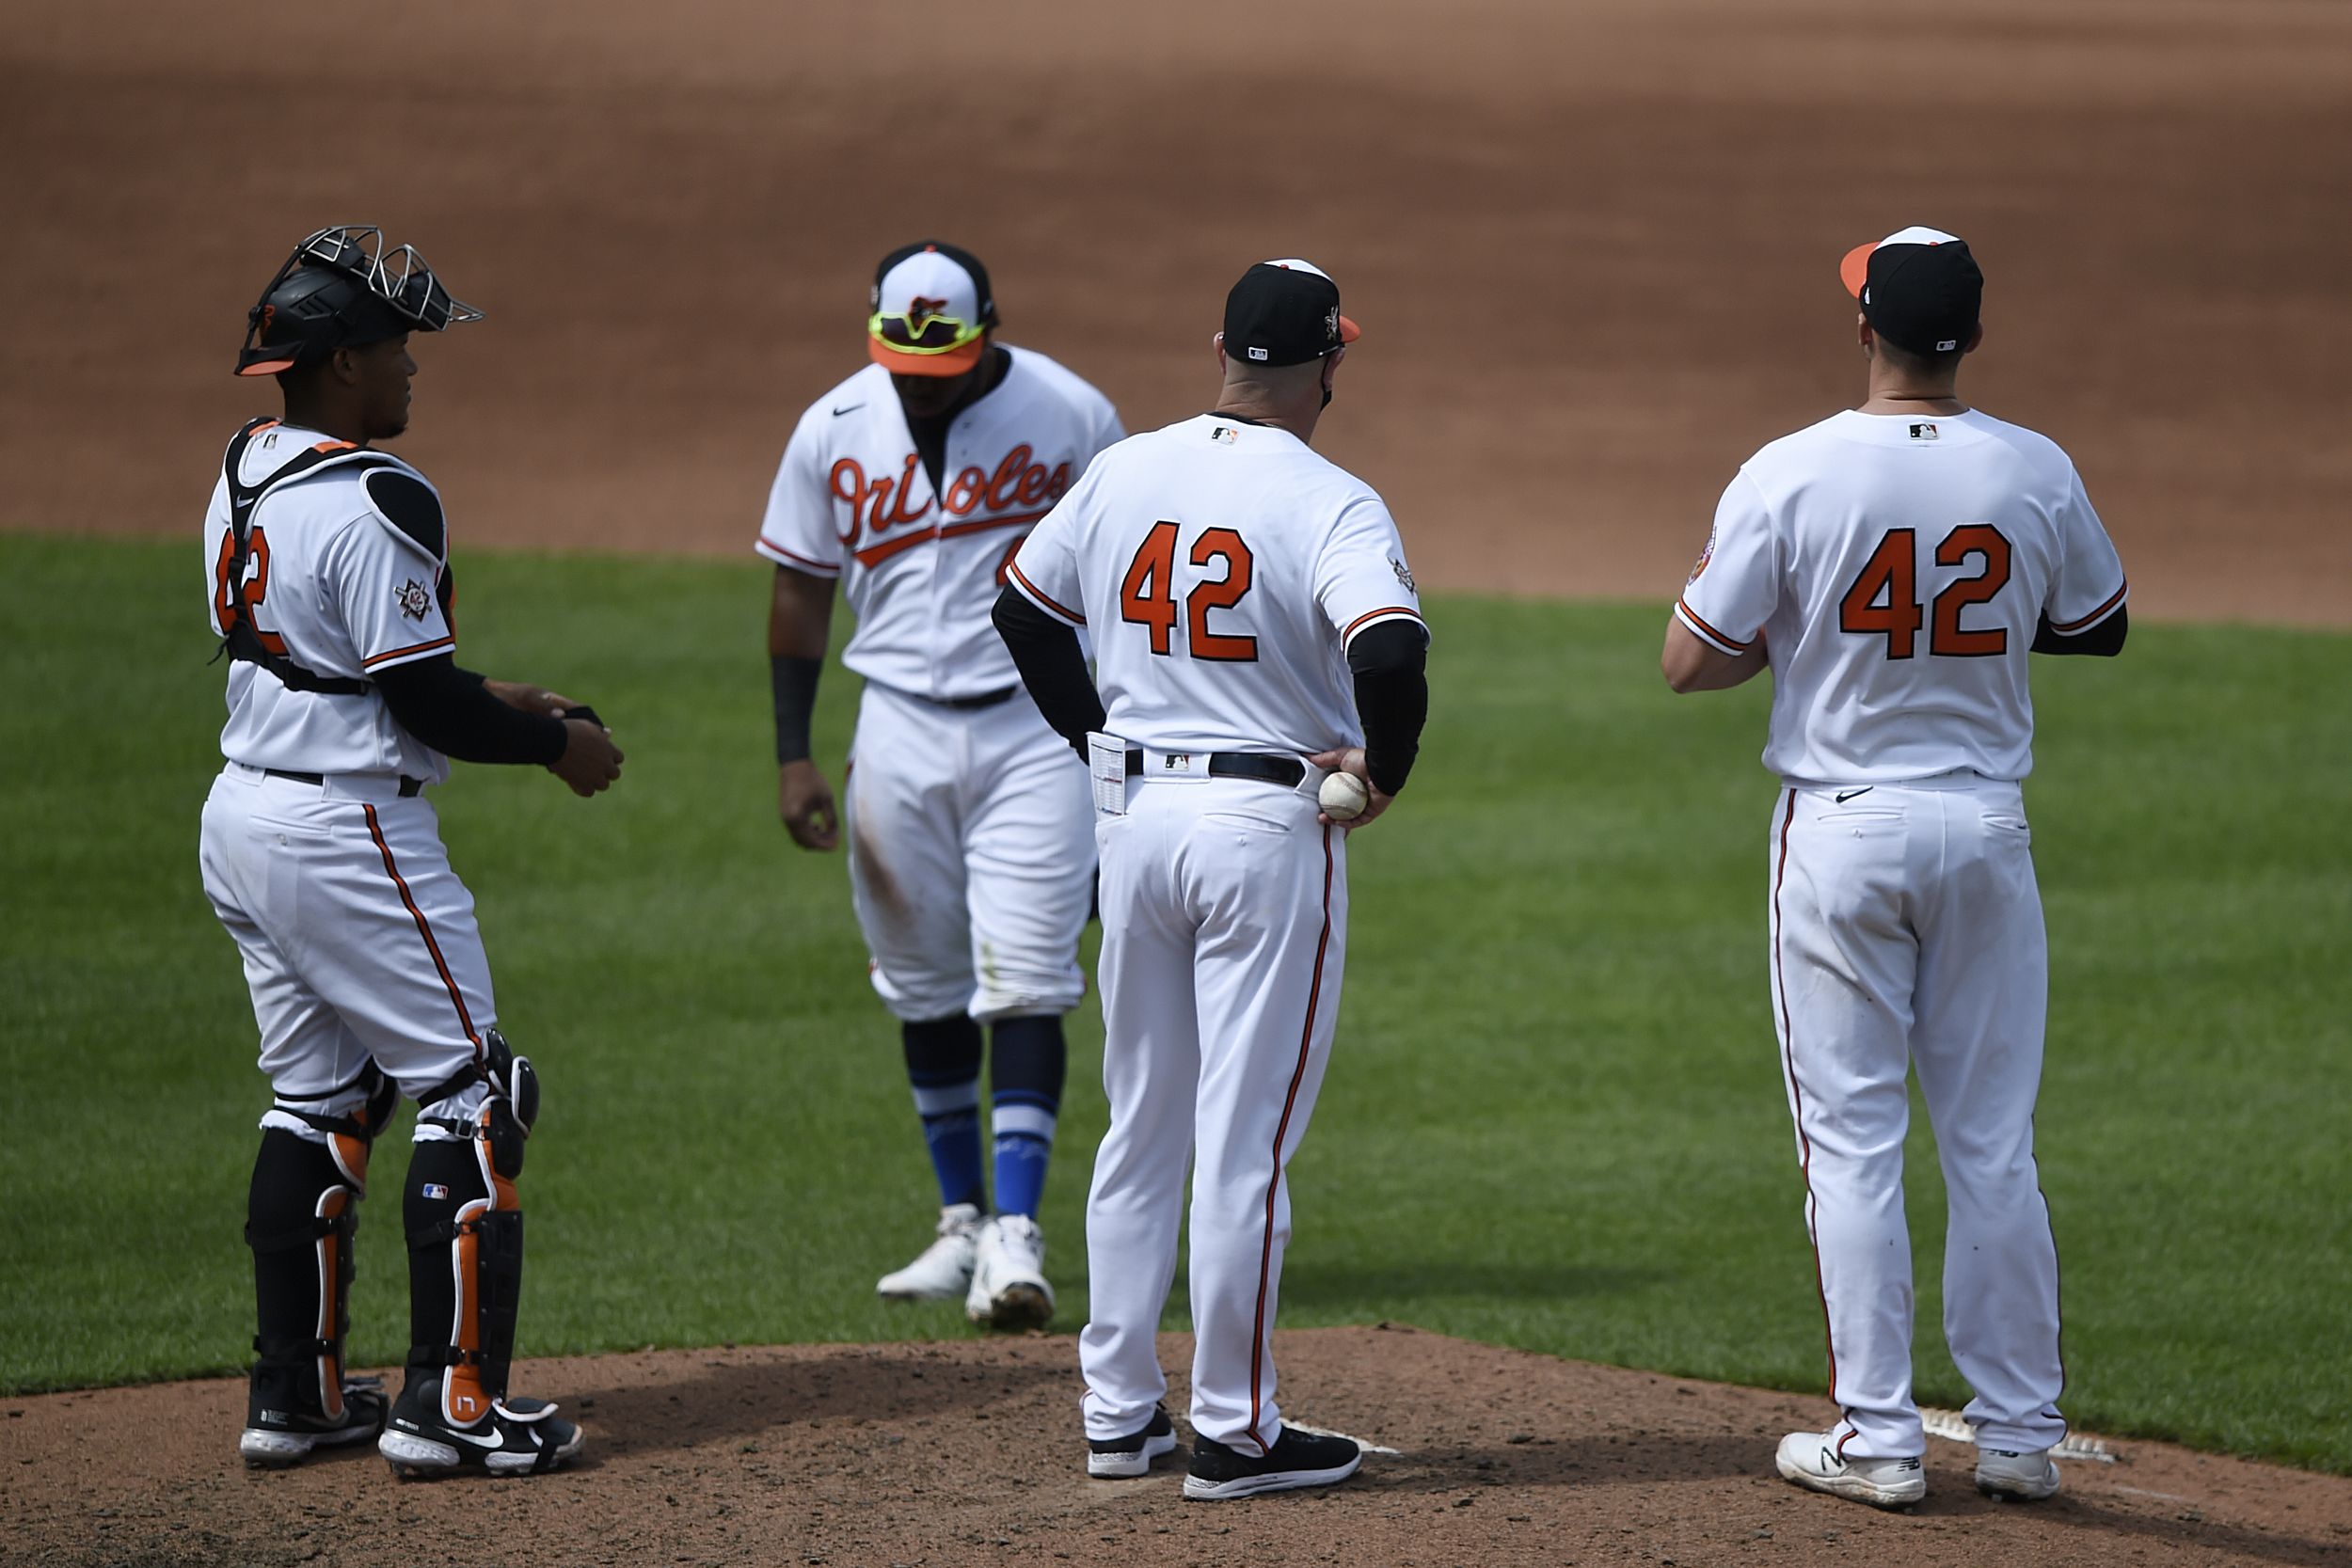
[(2105, 639), (794, 683), (449, 709), (1052, 666), (1389, 662)]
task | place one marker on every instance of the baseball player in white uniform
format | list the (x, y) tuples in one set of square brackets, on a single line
[(1893, 566), (328, 564), (971, 865), (1255, 628)]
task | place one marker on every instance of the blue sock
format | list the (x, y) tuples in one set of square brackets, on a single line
[(943, 1065), (1027, 1061)]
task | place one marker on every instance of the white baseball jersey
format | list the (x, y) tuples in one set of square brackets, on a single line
[(342, 591), (1895, 566), (1220, 568), (922, 569)]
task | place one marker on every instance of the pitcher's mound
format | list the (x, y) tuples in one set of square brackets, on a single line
[(954, 1454)]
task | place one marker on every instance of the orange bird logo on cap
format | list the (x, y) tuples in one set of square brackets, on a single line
[(920, 311)]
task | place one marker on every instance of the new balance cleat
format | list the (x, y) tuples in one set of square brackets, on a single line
[(1811, 1460), (2028, 1476)]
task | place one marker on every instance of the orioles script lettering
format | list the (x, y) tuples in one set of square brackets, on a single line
[(884, 514)]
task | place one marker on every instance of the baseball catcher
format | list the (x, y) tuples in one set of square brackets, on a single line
[(332, 597)]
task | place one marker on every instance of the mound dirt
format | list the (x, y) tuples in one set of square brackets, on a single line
[(1593, 246), (951, 1455)]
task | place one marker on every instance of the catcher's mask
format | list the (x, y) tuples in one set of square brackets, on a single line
[(341, 288)]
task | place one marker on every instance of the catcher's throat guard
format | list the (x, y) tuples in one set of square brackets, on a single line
[(341, 288)]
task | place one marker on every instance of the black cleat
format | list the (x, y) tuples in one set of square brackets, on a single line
[(1112, 1458), (276, 1438), (519, 1437), (1298, 1459)]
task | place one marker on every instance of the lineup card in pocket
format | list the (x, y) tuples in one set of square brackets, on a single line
[(1106, 763)]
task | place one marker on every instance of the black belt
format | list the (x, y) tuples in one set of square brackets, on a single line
[(1287, 772), (986, 698), (408, 786)]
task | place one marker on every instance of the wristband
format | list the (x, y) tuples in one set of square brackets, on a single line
[(793, 682)]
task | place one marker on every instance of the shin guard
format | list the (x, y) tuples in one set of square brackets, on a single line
[(465, 1227), (465, 1274), (301, 1215)]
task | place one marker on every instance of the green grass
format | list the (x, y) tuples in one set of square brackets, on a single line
[(1554, 1118)]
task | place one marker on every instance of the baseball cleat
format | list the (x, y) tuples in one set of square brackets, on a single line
[(943, 1272), (276, 1438), (1298, 1459), (1008, 1287), (2025, 1477), (1811, 1460), (519, 1437), (1114, 1458)]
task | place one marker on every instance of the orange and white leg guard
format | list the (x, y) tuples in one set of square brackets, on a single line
[(301, 1217), (464, 1227)]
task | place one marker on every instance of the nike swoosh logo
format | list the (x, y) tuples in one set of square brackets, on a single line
[(1852, 793), (490, 1442), (851, 409)]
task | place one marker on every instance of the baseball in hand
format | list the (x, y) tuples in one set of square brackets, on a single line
[(1343, 797)]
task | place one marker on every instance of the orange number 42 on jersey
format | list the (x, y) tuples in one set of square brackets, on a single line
[(1884, 597), (1148, 598)]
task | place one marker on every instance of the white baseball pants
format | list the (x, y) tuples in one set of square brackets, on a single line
[(1906, 929), (358, 939), (1224, 935), (970, 857)]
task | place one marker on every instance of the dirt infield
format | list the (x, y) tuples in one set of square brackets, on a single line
[(1593, 244), (957, 1454), (1594, 248)]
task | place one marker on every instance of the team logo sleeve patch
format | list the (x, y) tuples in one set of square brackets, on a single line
[(415, 599), (1705, 555), (1735, 585)]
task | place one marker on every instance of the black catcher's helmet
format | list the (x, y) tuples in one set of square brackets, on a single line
[(340, 287)]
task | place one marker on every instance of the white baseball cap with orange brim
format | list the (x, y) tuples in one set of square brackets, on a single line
[(932, 310)]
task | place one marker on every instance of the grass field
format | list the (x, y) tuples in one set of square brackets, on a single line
[(1554, 1118)]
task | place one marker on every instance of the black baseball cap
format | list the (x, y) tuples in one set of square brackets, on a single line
[(1285, 314), (1919, 288)]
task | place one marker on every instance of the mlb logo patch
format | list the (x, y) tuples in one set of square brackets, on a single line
[(1224, 433), (433, 1189), (1257, 353), (1924, 432)]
